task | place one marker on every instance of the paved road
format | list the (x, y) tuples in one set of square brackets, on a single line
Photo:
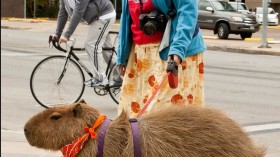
[(233, 44), (244, 86)]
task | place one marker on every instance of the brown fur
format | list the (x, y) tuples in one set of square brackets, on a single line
[(174, 132)]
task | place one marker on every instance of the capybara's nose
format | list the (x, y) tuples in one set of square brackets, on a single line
[(25, 130)]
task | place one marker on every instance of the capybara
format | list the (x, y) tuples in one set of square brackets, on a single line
[(170, 132)]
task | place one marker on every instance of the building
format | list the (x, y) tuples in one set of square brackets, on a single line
[(42, 8), (275, 4), (12, 8), (15, 8)]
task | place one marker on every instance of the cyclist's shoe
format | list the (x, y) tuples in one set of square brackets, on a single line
[(93, 82)]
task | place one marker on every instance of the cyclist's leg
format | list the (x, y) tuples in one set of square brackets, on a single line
[(108, 54), (98, 31)]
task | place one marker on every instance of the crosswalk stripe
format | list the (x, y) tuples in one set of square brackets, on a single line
[(263, 127)]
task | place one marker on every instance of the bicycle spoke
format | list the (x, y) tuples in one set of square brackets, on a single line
[(44, 82)]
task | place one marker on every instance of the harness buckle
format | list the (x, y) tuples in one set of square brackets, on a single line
[(133, 120)]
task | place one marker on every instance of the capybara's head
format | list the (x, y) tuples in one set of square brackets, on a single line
[(57, 126)]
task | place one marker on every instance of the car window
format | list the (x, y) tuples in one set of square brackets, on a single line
[(269, 11), (234, 5), (222, 6), (244, 7), (238, 6), (203, 5)]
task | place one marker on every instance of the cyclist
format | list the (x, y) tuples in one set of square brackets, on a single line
[(100, 15)]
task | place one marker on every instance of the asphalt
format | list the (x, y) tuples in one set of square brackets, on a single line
[(233, 44)]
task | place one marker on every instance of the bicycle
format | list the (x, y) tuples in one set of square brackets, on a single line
[(59, 79)]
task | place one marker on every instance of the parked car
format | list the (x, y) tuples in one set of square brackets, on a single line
[(240, 7), (272, 16), (223, 19)]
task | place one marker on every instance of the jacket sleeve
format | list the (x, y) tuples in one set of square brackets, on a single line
[(61, 18), (125, 36), (186, 16), (78, 12)]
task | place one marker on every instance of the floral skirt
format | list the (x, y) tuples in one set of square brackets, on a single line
[(145, 72)]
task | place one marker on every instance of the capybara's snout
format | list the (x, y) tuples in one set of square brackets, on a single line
[(26, 131)]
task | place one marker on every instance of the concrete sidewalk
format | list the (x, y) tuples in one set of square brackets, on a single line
[(237, 45)]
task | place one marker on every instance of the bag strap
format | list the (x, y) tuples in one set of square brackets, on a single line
[(141, 6)]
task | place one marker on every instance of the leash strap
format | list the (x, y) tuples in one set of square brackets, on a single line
[(101, 137), (136, 137), (152, 97)]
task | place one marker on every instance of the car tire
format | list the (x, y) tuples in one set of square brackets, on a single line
[(246, 35), (223, 31)]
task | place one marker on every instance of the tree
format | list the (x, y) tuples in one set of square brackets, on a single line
[(43, 8)]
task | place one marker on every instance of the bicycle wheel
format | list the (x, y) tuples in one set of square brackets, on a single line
[(44, 84), (115, 83)]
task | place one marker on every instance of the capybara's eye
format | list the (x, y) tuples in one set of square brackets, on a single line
[(55, 117)]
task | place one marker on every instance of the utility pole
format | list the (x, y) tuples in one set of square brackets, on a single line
[(264, 25)]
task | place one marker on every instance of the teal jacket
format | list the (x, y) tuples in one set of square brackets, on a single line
[(183, 25)]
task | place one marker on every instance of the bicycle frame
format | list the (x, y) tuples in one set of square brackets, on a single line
[(71, 53), (58, 91)]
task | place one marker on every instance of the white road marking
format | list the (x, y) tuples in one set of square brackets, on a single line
[(11, 131), (263, 127), (44, 154), (18, 54)]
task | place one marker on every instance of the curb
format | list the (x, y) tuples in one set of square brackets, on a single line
[(272, 27), (258, 39), (30, 20), (244, 51), (260, 51)]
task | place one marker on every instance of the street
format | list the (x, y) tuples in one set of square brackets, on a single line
[(244, 86)]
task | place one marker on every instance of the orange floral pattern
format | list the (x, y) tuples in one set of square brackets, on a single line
[(184, 65), (135, 107), (151, 80), (144, 73), (176, 99)]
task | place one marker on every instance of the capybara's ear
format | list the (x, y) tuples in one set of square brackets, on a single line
[(82, 101), (78, 110)]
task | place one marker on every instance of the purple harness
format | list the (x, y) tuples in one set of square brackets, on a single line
[(135, 133), (136, 137), (101, 137)]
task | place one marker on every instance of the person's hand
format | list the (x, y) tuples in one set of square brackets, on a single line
[(122, 69), (176, 58), (62, 39)]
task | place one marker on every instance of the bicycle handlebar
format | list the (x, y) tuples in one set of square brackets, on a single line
[(54, 40)]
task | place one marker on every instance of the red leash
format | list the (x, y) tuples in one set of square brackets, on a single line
[(171, 75), (152, 97)]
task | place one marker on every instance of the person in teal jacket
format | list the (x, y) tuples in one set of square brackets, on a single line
[(184, 44)]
